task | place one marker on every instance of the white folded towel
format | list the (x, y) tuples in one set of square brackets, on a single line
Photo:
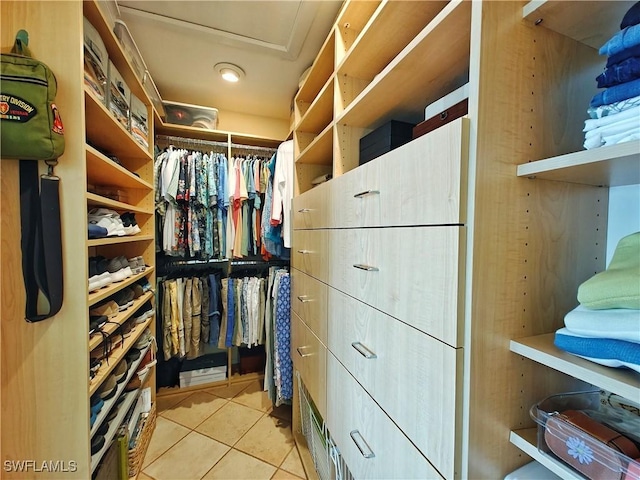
[(615, 323)]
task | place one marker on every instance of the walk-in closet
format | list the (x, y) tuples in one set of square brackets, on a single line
[(333, 240)]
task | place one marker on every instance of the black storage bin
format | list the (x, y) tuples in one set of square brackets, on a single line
[(384, 139)]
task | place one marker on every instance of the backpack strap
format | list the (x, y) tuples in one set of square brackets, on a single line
[(21, 44), (41, 240)]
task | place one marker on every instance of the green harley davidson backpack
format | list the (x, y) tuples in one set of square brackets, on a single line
[(29, 119)]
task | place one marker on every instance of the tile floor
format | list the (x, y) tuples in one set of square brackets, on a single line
[(222, 433)]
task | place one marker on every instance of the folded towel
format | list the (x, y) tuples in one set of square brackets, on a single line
[(632, 17), (613, 108), (616, 93), (621, 137), (616, 353), (629, 115), (625, 38), (619, 285), (623, 55), (614, 323), (618, 73)]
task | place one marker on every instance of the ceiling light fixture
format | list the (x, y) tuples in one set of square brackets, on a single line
[(229, 72)]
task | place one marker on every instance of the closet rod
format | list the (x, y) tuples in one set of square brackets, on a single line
[(190, 141)]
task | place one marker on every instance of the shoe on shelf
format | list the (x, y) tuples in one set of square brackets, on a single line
[(97, 442), (130, 224), (108, 387), (145, 339), (109, 308), (95, 322), (132, 355), (120, 371), (104, 428), (125, 265), (124, 298), (98, 275), (96, 403), (137, 291), (96, 231), (118, 270), (146, 311), (144, 283), (141, 264), (133, 384), (108, 219), (148, 361)]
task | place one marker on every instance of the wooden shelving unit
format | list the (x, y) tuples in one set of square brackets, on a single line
[(97, 242), (103, 171), (97, 200), (319, 113), (318, 75), (534, 230), (109, 290)]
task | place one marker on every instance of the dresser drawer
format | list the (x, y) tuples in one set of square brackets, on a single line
[(420, 183), (309, 302), (310, 358), (310, 209), (372, 446), (310, 252), (413, 274), (412, 376)]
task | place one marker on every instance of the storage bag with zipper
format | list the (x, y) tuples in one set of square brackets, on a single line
[(31, 130), (30, 122)]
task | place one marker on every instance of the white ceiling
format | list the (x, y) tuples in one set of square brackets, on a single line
[(274, 42)]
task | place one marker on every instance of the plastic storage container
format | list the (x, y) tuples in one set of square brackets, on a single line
[(191, 115), (577, 448)]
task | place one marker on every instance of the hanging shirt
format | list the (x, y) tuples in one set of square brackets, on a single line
[(283, 190)]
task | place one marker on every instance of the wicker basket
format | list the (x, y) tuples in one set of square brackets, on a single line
[(137, 453)]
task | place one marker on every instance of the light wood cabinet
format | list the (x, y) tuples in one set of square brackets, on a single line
[(531, 208), (45, 379), (309, 302), (414, 377), (372, 446)]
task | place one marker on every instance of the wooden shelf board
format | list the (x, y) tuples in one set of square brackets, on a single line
[(418, 75), (108, 404), (320, 112), (356, 13), (105, 292), (392, 26), (526, 440), (320, 72), (254, 140), (591, 23), (115, 51), (103, 171), (320, 151), (540, 348), (614, 165), (107, 134), (93, 199), (97, 339), (100, 242), (117, 354)]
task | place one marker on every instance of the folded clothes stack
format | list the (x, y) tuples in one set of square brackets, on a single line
[(605, 327), (615, 112)]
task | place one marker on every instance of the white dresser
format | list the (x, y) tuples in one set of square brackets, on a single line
[(377, 329)]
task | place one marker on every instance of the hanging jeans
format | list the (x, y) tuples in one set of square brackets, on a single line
[(187, 316), (196, 298)]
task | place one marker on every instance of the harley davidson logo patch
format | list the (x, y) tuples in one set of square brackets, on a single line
[(16, 109)]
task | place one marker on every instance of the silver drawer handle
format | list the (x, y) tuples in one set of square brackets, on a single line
[(304, 210), (304, 298), (366, 192), (304, 252), (368, 268), (299, 350), (366, 454), (364, 351)]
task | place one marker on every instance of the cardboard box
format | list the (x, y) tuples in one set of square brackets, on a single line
[(96, 61), (139, 122), (383, 139), (118, 96)]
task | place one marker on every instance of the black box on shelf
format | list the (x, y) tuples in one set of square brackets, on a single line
[(383, 139)]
